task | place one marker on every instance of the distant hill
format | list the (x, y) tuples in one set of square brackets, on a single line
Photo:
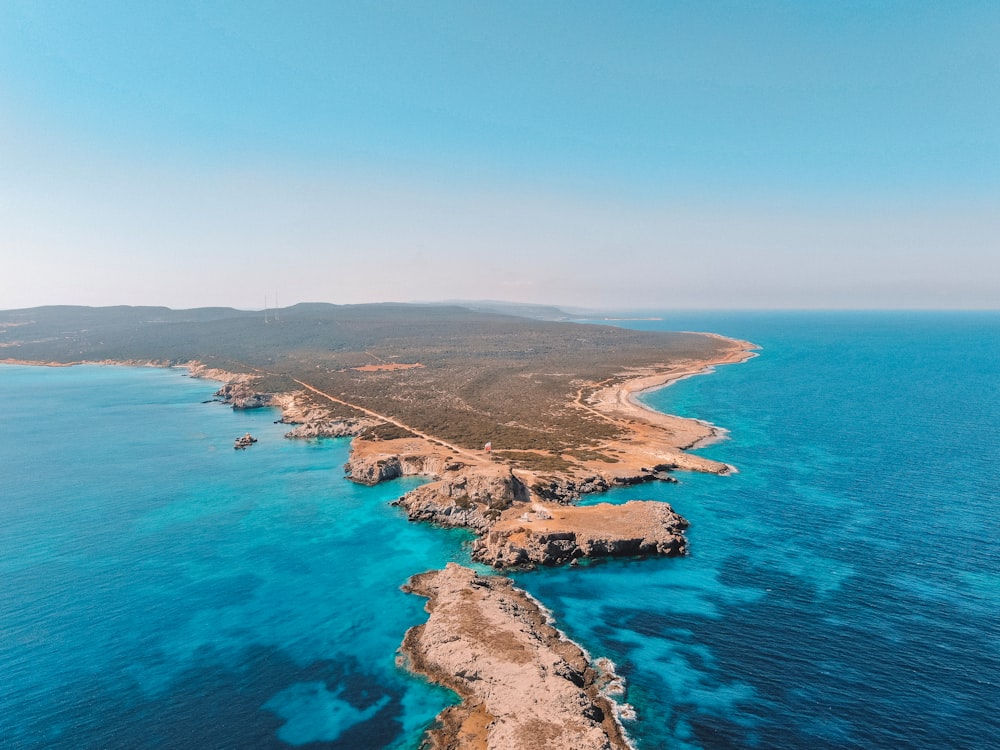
[(525, 310)]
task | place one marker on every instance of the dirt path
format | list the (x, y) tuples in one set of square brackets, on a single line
[(595, 388), (468, 454)]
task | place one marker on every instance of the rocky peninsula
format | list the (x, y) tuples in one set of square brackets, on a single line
[(526, 516), (511, 422), (522, 683)]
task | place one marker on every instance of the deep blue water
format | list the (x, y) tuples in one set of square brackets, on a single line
[(159, 589), (843, 589)]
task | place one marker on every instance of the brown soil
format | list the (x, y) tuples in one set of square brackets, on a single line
[(386, 367)]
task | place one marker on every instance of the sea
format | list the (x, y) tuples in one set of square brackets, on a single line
[(159, 589)]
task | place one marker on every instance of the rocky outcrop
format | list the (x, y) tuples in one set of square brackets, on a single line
[(312, 421), (309, 420), (237, 389), (566, 490), (244, 441), (197, 369), (522, 683), (331, 428), (518, 526), (241, 395), (473, 498), (569, 489), (554, 535), (374, 461)]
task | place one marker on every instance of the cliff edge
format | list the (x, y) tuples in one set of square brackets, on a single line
[(522, 683)]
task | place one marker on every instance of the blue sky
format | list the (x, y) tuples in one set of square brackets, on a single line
[(632, 154)]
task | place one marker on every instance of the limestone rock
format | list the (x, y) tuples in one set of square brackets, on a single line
[(523, 684), (473, 498), (553, 534), (335, 428), (568, 489), (241, 395), (374, 461)]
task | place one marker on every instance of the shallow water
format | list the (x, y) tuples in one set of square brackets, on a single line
[(159, 589)]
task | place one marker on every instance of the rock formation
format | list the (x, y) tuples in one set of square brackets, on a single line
[(241, 395), (554, 534), (522, 683), (473, 498), (374, 461), (312, 421), (521, 519)]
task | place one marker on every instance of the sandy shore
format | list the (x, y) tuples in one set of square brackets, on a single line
[(103, 362), (651, 437), (195, 369), (622, 399)]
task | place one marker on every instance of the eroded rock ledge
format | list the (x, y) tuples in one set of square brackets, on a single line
[(522, 520), (522, 683), (553, 535)]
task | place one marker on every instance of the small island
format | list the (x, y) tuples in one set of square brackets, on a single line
[(522, 683), (244, 441), (511, 420)]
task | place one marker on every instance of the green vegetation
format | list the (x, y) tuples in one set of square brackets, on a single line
[(585, 455), (485, 376), (386, 431)]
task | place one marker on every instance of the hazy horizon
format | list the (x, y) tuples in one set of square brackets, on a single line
[(576, 311), (641, 156)]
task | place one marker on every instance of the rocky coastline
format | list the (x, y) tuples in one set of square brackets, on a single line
[(522, 683), (554, 535)]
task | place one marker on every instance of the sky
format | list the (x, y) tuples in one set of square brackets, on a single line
[(621, 155)]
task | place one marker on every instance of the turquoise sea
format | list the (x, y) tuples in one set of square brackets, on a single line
[(160, 590)]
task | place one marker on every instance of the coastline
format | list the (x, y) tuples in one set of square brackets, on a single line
[(619, 402), (102, 362), (195, 368), (521, 521), (667, 436), (746, 350), (630, 391)]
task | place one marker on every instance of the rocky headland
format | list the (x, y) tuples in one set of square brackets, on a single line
[(550, 534), (512, 423), (526, 516), (522, 683)]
